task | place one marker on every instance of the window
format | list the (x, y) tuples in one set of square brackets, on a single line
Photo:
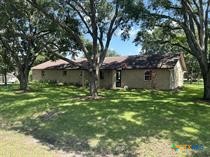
[(64, 73), (43, 73), (101, 75), (148, 75)]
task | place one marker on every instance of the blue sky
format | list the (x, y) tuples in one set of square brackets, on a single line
[(124, 48)]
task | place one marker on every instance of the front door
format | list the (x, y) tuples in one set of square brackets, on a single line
[(118, 78)]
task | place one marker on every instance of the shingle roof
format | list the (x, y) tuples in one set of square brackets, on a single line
[(156, 61), (49, 64)]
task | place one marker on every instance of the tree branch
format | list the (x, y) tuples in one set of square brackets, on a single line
[(191, 12), (111, 30), (206, 26), (81, 17), (63, 26)]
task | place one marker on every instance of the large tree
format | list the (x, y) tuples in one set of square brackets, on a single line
[(21, 30), (25, 34), (98, 21), (189, 16)]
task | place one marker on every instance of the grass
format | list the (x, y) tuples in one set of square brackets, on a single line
[(123, 123)]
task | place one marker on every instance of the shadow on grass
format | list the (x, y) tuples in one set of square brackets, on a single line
[(118, 124)]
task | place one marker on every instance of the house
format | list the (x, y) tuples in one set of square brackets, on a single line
[(139, 71), (11, 78)]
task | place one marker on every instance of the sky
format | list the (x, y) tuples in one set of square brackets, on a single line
[(124, 48)]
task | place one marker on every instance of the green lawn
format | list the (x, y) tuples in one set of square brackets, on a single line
[(122, 123)]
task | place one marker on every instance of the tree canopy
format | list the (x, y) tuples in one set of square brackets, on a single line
[(25, 34)]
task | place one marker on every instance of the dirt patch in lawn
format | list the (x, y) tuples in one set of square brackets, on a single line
[(14, 144)]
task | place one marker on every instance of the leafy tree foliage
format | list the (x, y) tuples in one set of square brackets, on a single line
[(193, 68), (25, 34), (158, 41), (112, 53), (20, 31)]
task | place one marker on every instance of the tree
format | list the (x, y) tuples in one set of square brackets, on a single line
[(193, 68), (25, 34), (97, 19), (112, 53), (20, 30), (40, 59), (6, 64), (188, 16)]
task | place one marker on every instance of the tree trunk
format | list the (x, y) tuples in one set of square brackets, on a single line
[(206, 81), (23, 79), (93, 84), (5, 78), (97, 76), (2, 78), (94, 81)]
